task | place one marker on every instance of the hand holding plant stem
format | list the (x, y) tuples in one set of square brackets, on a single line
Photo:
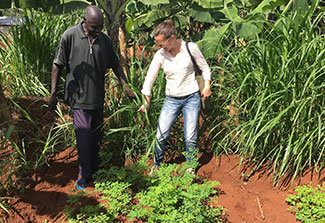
[(143, 108)]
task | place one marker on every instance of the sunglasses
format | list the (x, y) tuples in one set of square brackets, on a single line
[(161, 45)]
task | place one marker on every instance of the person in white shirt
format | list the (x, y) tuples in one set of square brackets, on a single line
[(182, 90)]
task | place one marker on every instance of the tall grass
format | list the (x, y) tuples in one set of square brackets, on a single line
[(20, 157), (130, 132), (28, 51), (277, 82), (6, 166), (26, 59)]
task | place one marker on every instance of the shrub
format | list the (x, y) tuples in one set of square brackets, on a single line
[(308, 204)]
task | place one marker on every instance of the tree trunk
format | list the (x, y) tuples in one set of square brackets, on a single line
[(115, 25), (123, 50)]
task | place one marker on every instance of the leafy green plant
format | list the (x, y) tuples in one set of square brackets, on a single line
[(76, 212), (117, 195), (173, 195), (205, 21), (308, 203)]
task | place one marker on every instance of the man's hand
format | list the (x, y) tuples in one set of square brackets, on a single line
[(129, 92), (52, 102), (55, 75)]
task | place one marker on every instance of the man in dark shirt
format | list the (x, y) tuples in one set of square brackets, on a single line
[(87, 53)]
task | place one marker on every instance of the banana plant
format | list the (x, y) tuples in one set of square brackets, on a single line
[(56, 6), (115, 16), (115, 23), (213, 17)]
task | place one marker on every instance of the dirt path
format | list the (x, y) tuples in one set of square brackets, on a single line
[(250, 201)]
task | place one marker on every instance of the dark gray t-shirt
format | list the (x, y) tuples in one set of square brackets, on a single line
[(86, 65)]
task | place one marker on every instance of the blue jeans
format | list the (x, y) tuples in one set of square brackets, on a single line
[(190, 107)]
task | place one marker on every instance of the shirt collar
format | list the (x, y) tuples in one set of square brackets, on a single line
[(82, 32)]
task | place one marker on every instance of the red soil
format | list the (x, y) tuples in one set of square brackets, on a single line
[(250, 201)]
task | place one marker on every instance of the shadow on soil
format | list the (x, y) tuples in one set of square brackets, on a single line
[(59, 172), (49, 203)]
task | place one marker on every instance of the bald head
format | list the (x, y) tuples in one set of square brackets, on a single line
[(93, 21), (93, 13)]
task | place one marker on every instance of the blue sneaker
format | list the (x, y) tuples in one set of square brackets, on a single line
[(81, 184)]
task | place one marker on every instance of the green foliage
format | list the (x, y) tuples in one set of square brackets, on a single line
[(275, 83), (195, 17), (28, 52), (4, 4), (129, 132), (114, 21), (117, 195), (68, 6), (57, 6), (77, 211), (172, 195), (6, 166), (186, 14), (37, 3), (308, 204), (176, 197), (197, 20)]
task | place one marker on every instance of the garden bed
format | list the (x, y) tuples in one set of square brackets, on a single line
[(249, 200)]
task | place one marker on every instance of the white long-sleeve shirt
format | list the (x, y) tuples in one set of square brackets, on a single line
[(179, 71)]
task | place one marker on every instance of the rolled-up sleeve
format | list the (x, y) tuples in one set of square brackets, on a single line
[(200, 60), (152, 73)]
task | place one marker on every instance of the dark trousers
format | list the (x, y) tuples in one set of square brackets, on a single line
[(89, 133)]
